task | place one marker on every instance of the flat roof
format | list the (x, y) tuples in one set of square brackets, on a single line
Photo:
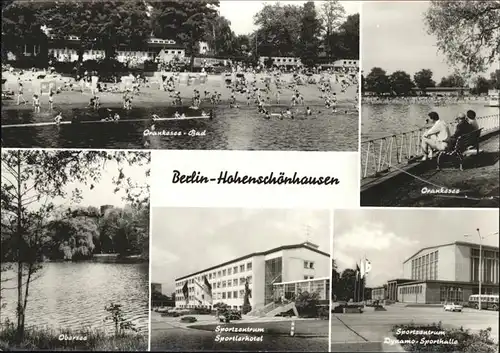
[(447, 282), (267, 252), (304, 280), (464, 243)]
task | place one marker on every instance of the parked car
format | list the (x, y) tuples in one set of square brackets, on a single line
[(229, 315), (453, 307)]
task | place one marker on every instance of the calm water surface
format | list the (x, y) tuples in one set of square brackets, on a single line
[(73, 295), (232, 129), (386, 119)]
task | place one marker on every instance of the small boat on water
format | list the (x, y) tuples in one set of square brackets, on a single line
[(494, 98)]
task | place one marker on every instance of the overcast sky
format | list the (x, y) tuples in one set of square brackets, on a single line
[(241, 13), (187, 240), (388, 237), (103, 191), (394, 37)]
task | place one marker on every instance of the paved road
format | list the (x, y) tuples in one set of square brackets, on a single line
[(361, 332), (169, 334)]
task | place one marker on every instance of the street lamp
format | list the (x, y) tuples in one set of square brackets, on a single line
[(481, 260)]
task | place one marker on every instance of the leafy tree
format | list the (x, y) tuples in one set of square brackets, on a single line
[(99, 24), (495, 79), (332, 15), (423, 79), (467, 32), (309, 34), (454, 80), (349, 32), (377, 81), (279, 30), (481, 85), (401, 83), (30, 180), (186, 19), (72, 238), (21, 24), (219, 36)]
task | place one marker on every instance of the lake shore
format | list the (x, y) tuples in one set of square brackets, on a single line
[(68, 340), (110, 259), (151, 96)]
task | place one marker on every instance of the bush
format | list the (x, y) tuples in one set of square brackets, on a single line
[(188, 319), (456, 340), (323, 313)]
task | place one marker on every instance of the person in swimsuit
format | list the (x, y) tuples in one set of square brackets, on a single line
[(58, 118), (177, 115), (20, 94), (51, 99), (308, 111), (36, 103)]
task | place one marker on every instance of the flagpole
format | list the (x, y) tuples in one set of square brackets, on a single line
[(355, 280), (363, 283)]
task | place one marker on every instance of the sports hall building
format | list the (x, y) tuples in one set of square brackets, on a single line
[(445, 273)]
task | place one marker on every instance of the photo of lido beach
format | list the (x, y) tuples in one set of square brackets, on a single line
[(198, 74), (240, 280), (413, 280), (430, 104), (74, 251)]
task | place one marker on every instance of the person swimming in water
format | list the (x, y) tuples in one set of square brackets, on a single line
[(58, 118)]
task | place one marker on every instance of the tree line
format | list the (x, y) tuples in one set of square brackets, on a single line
[(400, 83), (348, 285), (79, 233), (282, 30)]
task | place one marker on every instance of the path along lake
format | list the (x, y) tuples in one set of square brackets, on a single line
[(72, 295), (232, 129), (380, 120)]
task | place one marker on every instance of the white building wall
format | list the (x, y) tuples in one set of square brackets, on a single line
[(295, 262), (462, 263), (259, 272), (225, 279), (225, 282)]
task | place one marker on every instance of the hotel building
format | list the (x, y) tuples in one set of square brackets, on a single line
[(446, 273), (271, 275)]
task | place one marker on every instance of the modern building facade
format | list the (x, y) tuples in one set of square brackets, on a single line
[(260, 276), (66, 50), (446, 273), (346, 63), (379, 293)]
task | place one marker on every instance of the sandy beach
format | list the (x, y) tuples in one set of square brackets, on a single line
[(151, 95)]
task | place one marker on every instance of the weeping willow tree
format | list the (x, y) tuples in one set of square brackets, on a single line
[(467, 33)]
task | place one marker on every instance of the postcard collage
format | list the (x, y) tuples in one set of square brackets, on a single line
[(227, 176)]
